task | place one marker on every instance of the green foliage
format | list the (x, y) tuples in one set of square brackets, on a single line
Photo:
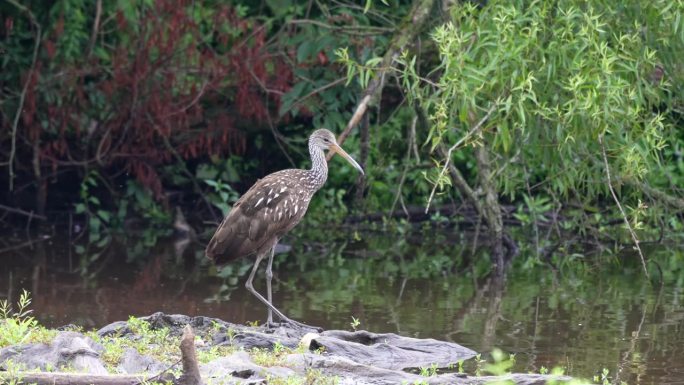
[(143, 203), (429, 371), (147, 340), (223, 195), (19, 326), (97, 216), (553, 77), (219, 175), (502, 363), (272, 357), (354, 323)]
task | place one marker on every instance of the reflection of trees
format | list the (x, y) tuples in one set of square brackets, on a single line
[(488, 295), (99, 288), (587, 316)]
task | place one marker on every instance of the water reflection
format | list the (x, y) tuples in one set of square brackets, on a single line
[(584, 316)]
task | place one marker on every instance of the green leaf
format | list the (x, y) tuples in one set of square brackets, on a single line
[(105, 215), (80, 208), (305, 51)]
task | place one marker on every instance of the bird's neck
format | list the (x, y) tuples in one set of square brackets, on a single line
[(319, 167)]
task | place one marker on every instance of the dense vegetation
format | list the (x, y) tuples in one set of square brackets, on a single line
[(565, 115)]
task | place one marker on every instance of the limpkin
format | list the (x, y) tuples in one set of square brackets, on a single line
[(268, 210)]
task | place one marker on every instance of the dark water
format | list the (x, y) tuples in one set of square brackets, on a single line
[(578, 314)]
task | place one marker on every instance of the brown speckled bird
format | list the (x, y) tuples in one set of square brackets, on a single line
[(268, 210)]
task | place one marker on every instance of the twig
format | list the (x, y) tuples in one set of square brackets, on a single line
[(370, 12), (29, 214), (318, 90), (158, 376), (22, 97), (96, 26), (262, 85), (194, 101), (534, 213), (276, 136), (30, 242), (412, 132), (350, 29), (185, 169), (451, 149), (617, 202)]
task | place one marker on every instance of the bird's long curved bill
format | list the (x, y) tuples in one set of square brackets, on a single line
[(346, 156)]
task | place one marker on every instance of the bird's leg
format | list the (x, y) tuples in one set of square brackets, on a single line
[(270, 306), (269, 277)]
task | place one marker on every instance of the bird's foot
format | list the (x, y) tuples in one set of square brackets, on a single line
[(294, 325)]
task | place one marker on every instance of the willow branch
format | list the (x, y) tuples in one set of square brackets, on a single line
[(476, 128), (617, 202)]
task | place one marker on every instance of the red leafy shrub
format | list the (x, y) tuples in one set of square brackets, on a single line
[(151, 86)]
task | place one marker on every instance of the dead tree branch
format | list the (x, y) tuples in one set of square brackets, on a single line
[(410, 29)]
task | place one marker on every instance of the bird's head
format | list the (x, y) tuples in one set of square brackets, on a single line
[(325, 140)]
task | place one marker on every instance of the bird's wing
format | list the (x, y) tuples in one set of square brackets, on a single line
[(263, 214)]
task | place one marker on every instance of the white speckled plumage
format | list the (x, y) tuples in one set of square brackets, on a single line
[(274, 205), (271, 208)]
